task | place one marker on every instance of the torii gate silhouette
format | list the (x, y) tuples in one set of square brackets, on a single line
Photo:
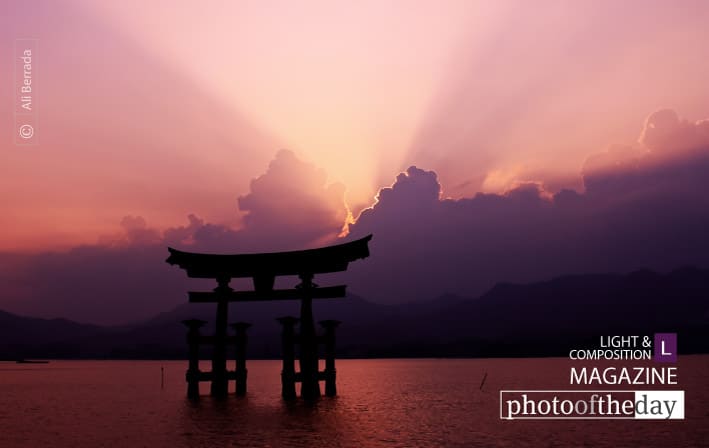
[(263, 268)]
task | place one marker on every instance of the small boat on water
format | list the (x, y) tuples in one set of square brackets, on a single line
[(29, 361)]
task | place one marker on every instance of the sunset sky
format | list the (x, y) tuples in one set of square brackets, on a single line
[(513, 140), (160, 110)]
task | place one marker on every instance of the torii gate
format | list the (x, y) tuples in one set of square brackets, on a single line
[(263, 269)]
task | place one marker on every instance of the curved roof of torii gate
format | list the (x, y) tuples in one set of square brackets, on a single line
[(311, 261)]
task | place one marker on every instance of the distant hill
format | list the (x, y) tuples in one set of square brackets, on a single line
[(29, 337), (545, 318), (552, 316)]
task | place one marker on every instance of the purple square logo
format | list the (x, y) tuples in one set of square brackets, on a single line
[(665, 347)]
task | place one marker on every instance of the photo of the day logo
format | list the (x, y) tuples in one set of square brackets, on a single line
[(665, 347)]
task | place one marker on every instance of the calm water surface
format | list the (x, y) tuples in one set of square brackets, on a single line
[(388, 403)]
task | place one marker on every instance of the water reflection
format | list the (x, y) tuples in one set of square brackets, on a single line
[(382, 403), (245, 422)]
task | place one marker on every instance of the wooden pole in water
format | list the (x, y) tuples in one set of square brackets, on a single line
[(240, 349), (220, 380), (309, 385), (288, 349), (193, 373), (330, 372)]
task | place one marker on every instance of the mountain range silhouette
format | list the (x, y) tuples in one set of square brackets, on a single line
[(537, 319)]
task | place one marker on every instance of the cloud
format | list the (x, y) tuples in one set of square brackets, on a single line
[(673, 155), (98, 284), (664, 131), (292, 204), (520, 98), (137, 231), (643, 206), (124, 276)]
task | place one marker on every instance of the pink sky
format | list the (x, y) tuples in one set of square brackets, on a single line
[(163, 110)]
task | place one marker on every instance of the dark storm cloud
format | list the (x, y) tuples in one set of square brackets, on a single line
[(642, 207)]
